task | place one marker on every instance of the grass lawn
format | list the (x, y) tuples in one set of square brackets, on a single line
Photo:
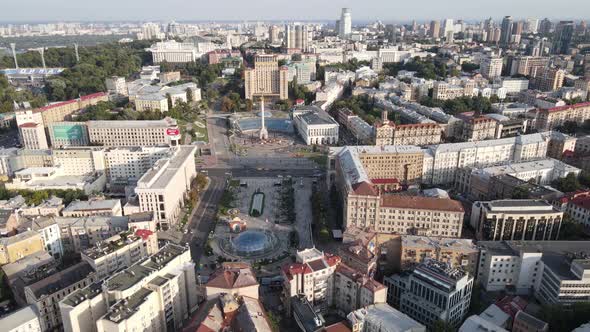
[(201, 132)]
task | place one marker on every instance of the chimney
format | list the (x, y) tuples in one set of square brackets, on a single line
[(384, 119)]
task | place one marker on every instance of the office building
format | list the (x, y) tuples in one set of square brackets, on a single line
[(491, 67), (172, 51), (345, 25), (381, 318), (63, 134), (127, 165), (266, 79), (528, 65), (120, 251), (151, 102), (163, 188), (304, 71), (297, 37), (506, 36), (551, 118), (45, 294), (554, 271), (19, 246), (430, 292), (315, 126), (515, 220), (32, 136), (45, 178), (548, 79), (462, 253), (564, 32), (434, 31), (134, 132)]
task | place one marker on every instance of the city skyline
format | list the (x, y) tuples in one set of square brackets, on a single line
[(233, 10)]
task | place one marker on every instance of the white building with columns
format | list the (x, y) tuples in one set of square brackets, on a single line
[(315, 126)]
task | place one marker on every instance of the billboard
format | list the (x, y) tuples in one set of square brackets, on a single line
[(69, 131), (172, 132)]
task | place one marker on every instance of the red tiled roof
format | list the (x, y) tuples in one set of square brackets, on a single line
[(364, 189), (567, 107), (337, 327), (29, 125), (421, 203), (232, 276), (87, 97), (384, 181), (144, 233)]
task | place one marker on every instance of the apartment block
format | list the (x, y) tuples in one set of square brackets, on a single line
[(157, 294), (32, 136), (430, 292), (162, 189), (323, 281), (120, 251), (548, 119), (410, 134), (516, 220), (460, 253), (45, 294), (491, 67), (19, 246), (80, 233)]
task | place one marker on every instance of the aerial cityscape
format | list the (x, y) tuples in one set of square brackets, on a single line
[(312, 166)]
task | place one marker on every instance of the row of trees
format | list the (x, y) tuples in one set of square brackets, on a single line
[(9, 95), (36, 197), (429, 68), (477, 104)]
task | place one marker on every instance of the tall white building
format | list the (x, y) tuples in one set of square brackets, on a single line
[(155, 294), (174, 52), (297, 37), (491, 67), (162, 189), (32, 136), (345, 26)]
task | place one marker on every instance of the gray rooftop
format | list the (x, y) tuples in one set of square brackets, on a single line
[(160, 175), (100, 204), (126, 308), (128, 277), (89, 292), (14, 321), (60, 280), (390, 319)]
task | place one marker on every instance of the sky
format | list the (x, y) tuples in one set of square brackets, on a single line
[(240, 10)]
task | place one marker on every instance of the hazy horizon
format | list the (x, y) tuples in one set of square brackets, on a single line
[(308, 10)]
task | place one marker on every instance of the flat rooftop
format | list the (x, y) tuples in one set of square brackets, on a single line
[(164, 123), (60, 280), (128, 277), (89, 292), (101, 204), (126, 308), (160, 175)]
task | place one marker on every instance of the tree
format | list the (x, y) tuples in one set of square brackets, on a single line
[(569, 127), (568, 184), (189, 94), (520, 193), (565, 318)]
